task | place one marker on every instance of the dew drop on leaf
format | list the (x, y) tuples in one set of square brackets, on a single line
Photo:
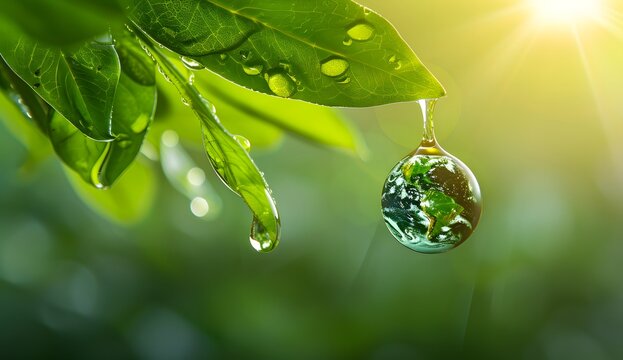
[(361, 31), (244, 55), (253, 70), (281, 84), (431, 201), (243, 141), (334, 67), (140, 124), (347, 41), (191, 64)]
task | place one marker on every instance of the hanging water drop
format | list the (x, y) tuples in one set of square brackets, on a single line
[(431, 201), (334, 67), (361, 31), (244, 55), (281, 84)]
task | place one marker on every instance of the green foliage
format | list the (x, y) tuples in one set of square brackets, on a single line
[(90, 87), (343, 55)]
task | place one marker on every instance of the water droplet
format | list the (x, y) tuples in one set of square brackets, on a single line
[(334, 66), (36, 85), (243, 141), (199, 207), (196, 176), (38, 72), (347, 41), (395, 62), (361, 31), (191, 64), (367, 11), (281, 84), (253, 69), (431, 201), (244, 55), (185, 102), (191, 79)]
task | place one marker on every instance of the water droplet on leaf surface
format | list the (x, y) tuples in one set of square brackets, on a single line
[(334, 67), (243, 141), (253, 70), (361, 31), (281, 84), (191, 64), (431, 201)]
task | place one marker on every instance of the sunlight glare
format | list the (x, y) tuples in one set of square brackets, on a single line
[(566, 11)]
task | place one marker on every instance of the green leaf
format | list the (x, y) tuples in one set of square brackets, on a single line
[(311, 122), (78, 84), (173, 114), (101, 163), (128, 201), (334, 53), (62, 22), (228, 157)]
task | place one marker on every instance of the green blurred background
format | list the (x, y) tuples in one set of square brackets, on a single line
[(535, 110)]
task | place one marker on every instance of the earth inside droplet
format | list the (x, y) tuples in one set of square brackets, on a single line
[(431, 201)]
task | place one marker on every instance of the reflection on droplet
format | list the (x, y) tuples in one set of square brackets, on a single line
[(243, 141), (199, 207), (192, 64), (253, 69), (334, 66), (347, 41), (281, 84), (361, 31), (244, 55), (191, 79), (345, 80), (170, 138), (196, 176)]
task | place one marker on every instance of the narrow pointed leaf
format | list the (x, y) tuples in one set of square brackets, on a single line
[(334, 52), (228, 157), (80, 84)]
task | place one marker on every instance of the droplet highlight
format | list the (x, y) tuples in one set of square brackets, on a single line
[(244, 142), (253, 70)]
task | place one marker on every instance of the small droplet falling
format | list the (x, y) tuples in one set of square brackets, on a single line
[(431, 201), (361, 31), (334, 67), (281, 84), (243, 141), (253, 70), (191, 64)]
